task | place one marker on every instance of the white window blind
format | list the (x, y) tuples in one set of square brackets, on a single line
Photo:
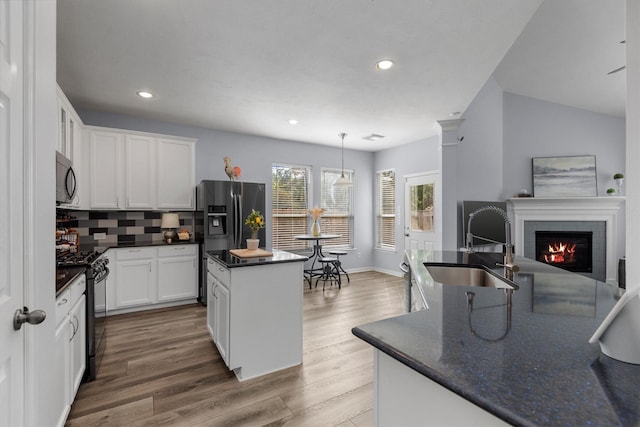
[(338, 204), (386, 209), (289, 205)]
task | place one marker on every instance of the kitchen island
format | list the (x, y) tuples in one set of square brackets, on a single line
[(528, 363), (254, 310)]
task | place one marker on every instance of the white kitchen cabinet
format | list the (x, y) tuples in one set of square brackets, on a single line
[(256, 320), (139, 172), (222, 300), (177, 272), (148, 277), (105, 169), (135, 277), (70, 346), (176, 182), (69, 141)]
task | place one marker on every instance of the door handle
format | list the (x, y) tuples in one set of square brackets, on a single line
[(23, 315)]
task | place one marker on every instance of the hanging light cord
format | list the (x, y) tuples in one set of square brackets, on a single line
[(342, 135)]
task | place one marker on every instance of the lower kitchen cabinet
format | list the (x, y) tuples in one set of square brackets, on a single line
[(254, 316), (149, 277), (70, 346), (177, 272)]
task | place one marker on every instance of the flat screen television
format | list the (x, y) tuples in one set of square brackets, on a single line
[(487, 227)]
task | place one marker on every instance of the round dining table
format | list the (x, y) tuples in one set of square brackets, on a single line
[(313, 271)]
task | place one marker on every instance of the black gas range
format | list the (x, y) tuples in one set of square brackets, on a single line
[(96, 272)]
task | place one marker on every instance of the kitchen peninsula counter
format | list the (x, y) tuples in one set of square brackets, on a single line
[(535, 367), (231, 261)]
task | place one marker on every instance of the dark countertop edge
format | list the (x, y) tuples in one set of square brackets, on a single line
[(104, 247), (435, 376), (64, 287), (255, 261)]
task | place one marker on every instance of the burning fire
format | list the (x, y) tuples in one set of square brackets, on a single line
[(560, 253)]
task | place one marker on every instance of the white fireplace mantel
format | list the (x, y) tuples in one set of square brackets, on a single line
[(605, 209)]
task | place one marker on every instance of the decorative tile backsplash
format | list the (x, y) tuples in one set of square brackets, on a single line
[(121, 226)]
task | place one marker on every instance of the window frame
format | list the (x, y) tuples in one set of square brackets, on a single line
[(348, 241), (380, 215), (303, 214)]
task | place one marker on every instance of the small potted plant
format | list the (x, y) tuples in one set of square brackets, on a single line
[(619, 178), (611, 191), (255, 221)]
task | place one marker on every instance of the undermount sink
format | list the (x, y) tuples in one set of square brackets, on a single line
[(467, 276)]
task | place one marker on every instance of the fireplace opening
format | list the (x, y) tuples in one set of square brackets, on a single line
[(570, 250)]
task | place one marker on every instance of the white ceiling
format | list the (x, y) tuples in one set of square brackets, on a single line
[(250, 66)]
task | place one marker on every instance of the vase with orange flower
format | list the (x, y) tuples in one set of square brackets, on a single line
[(316, 213)]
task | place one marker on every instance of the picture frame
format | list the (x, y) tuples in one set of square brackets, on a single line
[(572, 176)]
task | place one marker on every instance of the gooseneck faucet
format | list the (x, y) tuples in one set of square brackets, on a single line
[(508, 256)]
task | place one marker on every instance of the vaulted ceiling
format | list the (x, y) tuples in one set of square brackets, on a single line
[(251, 66)]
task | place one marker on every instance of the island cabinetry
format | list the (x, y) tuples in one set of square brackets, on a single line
[(148, 277), (70, 346), (177, 272), (141, 171), (255, 315), (406, 398)]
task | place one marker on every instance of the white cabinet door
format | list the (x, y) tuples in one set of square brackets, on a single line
[(105, 169), (140, 172), (61, 395), (177, 278), (78, 342), (221, 326), (211, 306), (176, 174), (135, 283)]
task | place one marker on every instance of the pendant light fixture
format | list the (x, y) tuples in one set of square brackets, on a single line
[(342, 181)]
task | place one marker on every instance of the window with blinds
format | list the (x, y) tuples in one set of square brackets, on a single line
[(337, 202), (386, 209), (290, 189)]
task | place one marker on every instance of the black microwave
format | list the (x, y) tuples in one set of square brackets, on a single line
[(66, 184)]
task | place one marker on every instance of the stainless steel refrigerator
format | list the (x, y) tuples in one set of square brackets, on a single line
[(221, 209)]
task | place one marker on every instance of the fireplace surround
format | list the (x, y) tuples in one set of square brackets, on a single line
[(604, 216)]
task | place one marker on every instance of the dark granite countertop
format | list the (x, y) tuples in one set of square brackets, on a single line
[(66, 275), (105, 246), (536, 368), (231, 261)]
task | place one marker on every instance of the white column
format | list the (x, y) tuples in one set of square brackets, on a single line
[(632, 173), (448, 131)]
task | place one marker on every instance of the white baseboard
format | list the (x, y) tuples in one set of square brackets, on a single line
[(390, 272)]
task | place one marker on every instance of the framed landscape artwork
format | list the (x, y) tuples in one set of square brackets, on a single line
[(564, 176)]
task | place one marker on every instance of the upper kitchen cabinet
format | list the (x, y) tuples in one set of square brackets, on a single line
[(69, 139), (176, 158), (140, 171)]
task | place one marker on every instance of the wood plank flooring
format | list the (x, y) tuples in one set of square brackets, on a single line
[(161, 368)]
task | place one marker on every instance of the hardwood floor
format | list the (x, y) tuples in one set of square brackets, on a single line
[(161, 368)]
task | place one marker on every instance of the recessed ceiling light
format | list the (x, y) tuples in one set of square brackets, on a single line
[(384, 64), (144, 94), (293, 122)]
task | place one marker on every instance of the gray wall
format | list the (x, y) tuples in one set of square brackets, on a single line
[(255, 155), (502, 132)]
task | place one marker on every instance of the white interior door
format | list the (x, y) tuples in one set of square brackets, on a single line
[(11, 205), (422, 211)]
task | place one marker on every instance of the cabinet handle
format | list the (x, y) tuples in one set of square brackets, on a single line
[(220, 269), (63, 302)]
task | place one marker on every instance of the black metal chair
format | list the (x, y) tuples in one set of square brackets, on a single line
[(338, 264), (329, 272)]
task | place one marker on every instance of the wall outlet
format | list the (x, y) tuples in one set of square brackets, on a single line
[(99, 236)]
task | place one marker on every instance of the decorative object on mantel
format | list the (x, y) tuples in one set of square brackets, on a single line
[(523, 193), (255, 221), (315, 227), (618, 333), (170, 221), (232, 172), (619, 179), (611, 191), (564, 176)]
